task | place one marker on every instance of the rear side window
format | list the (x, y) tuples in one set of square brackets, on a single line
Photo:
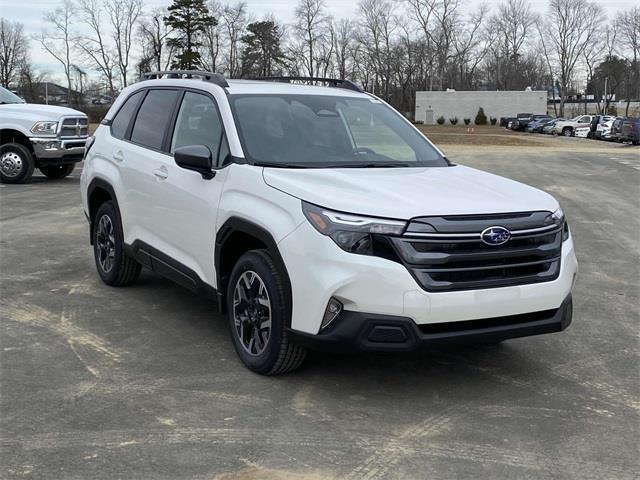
[(123, 117), (153, 117)]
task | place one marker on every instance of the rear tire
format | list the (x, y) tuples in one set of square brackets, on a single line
[(55, 172), (16, 163), (114, 266), (258, 315)]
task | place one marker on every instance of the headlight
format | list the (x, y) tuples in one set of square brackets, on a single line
[(558, 218), (352, 233), (45, 128)]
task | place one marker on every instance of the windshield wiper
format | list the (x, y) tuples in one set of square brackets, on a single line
[(281, 165), (373, 165)]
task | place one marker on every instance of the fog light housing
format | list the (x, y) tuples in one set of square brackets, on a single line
[(333, 311)]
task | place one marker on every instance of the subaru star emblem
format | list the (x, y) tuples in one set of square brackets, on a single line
[(495, 235)]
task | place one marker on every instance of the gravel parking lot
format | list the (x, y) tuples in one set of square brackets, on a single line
[(143, 382)]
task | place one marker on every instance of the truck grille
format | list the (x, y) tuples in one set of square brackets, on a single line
[(74, 127), (447, 253)]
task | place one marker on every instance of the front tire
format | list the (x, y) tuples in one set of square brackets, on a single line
[(16, 163), (258, 314), (114, 266), (567, 132), (55, 172)]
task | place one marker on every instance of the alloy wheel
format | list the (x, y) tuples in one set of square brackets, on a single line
[(105, 243), (252, 313)]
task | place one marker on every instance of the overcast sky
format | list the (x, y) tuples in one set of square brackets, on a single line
[(30, 13)]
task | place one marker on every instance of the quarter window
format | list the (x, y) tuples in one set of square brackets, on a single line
[(122, 119), (153, 118), (198, 123)]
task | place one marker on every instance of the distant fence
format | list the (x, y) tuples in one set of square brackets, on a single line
[(576, 108)]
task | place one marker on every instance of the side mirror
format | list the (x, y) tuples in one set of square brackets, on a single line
[(197, 158)]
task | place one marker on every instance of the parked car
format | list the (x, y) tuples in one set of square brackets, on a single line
[(513, 122), (582, 132), (535, 126), (548, 127), (103, 100), (603, 130), (49, 138), (520, 124), (567, 127), (616, 129), (319, 217), (630, 131)]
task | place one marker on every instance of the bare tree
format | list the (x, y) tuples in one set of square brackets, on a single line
[(378, 26), (123, 15), (565, 34), (234, 20), (58, 42), (94, 45), (343, 45), (156, 53), (213, 39), (13, 50), (309, 28), (628, 23)]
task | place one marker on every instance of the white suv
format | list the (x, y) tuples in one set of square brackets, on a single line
[(319, 217)]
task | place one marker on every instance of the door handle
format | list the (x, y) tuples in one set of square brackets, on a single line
[(161, 173), (118, 156)]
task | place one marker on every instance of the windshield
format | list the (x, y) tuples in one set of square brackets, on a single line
[(7, 97), (317, 131)]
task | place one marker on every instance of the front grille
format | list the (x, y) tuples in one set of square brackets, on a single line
[(447, 253), (74, 127)]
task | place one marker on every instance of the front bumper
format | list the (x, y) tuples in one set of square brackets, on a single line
[(318, 270), (51, 151), (354, 331)]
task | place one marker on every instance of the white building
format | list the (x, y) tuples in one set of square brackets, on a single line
[(451, 104)]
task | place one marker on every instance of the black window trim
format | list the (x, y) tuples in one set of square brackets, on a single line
[(174, 119), (168, 133), (135, 117)]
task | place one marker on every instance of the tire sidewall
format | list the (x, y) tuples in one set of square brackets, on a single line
[(28, 163), (109, 209), (57, 172), (259, 262)]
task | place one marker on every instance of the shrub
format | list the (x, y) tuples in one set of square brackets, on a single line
[(418, 122), (454, 120), (467, 121), (440, 120), (481, 118), (493, 121)]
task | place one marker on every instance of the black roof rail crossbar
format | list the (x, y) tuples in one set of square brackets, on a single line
[(205, 76), (332, 82)]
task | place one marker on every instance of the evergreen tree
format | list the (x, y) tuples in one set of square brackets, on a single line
[(188, 18), (262, 53)]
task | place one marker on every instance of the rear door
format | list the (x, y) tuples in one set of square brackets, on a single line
[(142, 157)]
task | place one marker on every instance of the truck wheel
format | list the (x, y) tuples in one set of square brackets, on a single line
[(114, 266), (567, 132), (16, 163), (258, 315), (57, 171)]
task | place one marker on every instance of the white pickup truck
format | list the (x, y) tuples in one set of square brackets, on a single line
[(568, 127), (49, 138)]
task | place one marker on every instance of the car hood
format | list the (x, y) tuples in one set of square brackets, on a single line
[(37, 112), (405, 193)]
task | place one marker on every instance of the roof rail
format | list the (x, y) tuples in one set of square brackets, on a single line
[(331, 82), (204, 76)]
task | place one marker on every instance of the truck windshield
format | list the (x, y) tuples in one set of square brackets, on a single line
[(317, 131), (7, 97)]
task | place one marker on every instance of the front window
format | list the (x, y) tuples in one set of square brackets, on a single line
[(318, 131)]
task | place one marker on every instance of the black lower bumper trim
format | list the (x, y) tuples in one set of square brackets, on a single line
[(355, 331)]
